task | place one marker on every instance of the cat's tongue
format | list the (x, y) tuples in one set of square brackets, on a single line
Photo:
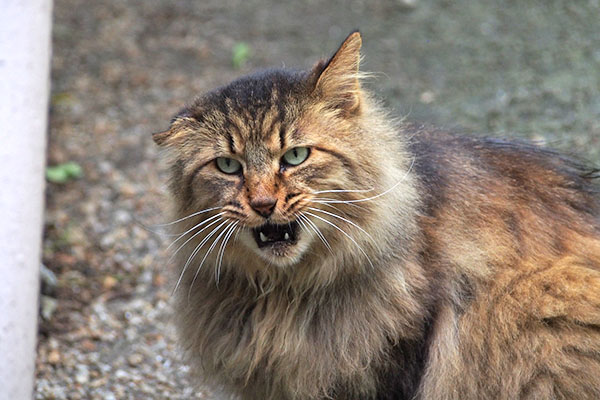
[(270, 234)]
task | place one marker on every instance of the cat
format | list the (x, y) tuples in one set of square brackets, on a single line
[(328, 251)]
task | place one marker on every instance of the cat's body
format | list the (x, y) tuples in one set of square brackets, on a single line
[(459, 268)]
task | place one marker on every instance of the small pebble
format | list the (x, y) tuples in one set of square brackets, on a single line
[(121, 374), (88, 345), (82, 374), (54, 357), (135, 359), (109, 282)]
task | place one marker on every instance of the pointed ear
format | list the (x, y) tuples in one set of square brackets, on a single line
[(161, 138), (177, 129), (337, 80)]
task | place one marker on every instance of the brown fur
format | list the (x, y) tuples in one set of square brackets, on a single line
[(473, 272)]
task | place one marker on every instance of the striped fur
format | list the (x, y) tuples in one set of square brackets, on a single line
[(467, 268)]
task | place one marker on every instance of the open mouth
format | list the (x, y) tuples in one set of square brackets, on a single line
[(276, 235)]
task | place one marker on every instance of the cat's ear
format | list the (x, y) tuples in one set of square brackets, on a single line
[(160, 138), (337, 80), (178, 128)]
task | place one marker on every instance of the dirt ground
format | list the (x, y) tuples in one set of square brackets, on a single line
[(120, 70)]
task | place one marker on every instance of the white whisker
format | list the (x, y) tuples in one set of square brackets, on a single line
[(301, 223), (344, 191), (221, 252), (196, 250), (346, 220), (242, 228), (191, 238), (317, 231), (325, 200), (192, 228), (348, 236), (378, 195), (189, 216), (334, 207), (212, 246)]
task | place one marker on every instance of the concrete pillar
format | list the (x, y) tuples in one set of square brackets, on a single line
[(24, 90)]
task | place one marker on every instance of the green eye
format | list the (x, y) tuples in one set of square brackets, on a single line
[(296, 156), (228, 165)]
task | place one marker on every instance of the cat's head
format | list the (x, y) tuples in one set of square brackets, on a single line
[(281, 161)]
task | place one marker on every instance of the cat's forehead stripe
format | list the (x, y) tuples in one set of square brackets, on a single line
[(230, 142), (233, 130), (282, 137)]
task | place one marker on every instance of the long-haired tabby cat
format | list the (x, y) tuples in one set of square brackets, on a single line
[(329, 252)]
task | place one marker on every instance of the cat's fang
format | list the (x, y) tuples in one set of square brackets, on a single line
[(276, 234)]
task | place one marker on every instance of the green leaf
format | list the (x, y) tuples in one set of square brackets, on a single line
[(73, 169), (240, 54), (63, 173)]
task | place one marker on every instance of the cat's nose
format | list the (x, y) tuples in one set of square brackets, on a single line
[(264, 206)]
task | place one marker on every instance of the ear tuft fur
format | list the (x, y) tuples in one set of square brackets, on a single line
[(160, 138), (177, 128), (338, 80)]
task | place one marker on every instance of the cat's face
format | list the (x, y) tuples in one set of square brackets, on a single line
[(271, 155), (265, 169)]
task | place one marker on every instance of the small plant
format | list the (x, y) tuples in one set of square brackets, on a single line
[(240, 54), (63, 173)]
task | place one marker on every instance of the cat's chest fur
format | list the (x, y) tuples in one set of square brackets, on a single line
[(276, 345)]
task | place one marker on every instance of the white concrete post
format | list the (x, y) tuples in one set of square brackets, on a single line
[(24, 89)]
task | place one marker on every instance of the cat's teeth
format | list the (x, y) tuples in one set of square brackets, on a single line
[(286, 236), (263, 238)]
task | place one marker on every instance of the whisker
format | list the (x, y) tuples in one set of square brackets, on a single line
[(150, 228), (242, 228), (196, 250), (344, 191), (222, 250), (212, 246), (346, 220), (189, 216), (348, 236), (378, 195), (204, 240), (325, 200), (316, 229), (300, 222), (190, 238), (336, 208), (194, 227)]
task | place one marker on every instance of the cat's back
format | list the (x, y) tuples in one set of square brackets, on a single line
[(450, 164), (524, 196), (514, 232)]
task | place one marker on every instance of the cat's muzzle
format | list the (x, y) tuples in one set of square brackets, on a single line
[(276, 234)]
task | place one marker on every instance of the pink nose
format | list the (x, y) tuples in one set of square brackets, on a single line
[(264, 206)]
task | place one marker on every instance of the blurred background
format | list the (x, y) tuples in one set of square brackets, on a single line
[(121, 70)]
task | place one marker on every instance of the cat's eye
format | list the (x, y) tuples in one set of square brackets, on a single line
[(296, 156), (229, 165)]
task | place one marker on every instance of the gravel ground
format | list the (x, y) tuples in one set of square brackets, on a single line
[(120, 70)]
